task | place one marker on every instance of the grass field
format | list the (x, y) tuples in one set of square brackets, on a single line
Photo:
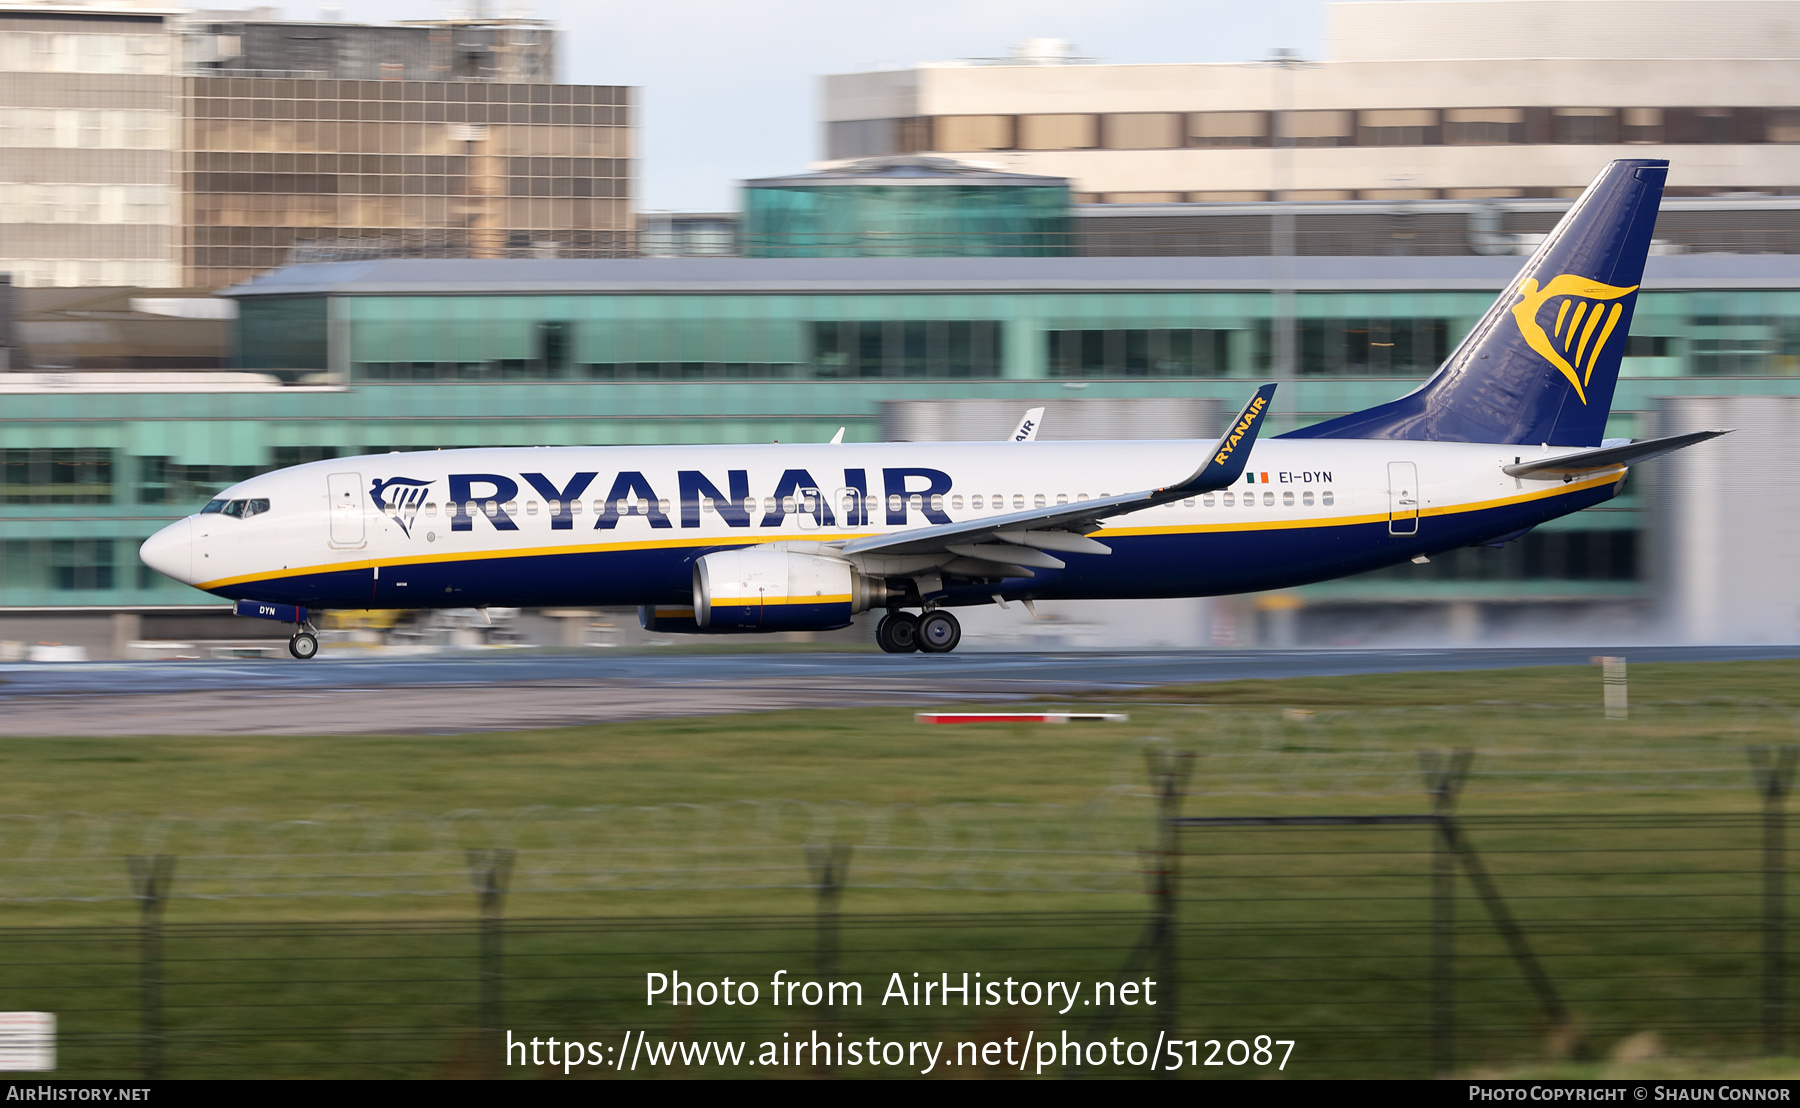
[(1016, 847)]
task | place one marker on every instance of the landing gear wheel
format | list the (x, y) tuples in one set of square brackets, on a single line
[(898, 633), (939, 632), (303, 645)]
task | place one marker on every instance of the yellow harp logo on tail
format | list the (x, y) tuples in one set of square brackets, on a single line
[(1584, 321)]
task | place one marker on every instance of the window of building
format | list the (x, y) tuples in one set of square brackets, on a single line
[(80, 565), (56, 475), (1365, 347), (1714, 125), (1140, 131), (163, 480), (1782, 125), (1058, 132), (1641, 125), (1584, 126), (1397, 127), (1228, 129), (1330, 128), (906, 348), (1147, 352), (1483, 126), (973, 132), (281, 457)]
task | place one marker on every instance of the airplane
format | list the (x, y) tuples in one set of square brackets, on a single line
[(1506, 435)]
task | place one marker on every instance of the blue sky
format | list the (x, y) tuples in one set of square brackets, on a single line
[(731, 90)]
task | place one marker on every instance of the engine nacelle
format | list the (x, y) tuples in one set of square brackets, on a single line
[(763, 588)]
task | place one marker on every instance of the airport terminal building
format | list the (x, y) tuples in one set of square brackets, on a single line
[(415, 354)]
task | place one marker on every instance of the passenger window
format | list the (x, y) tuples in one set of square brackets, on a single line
[(769, 505), (531, 507), (894, 502), (1287, 500), (1062, 498), (706, 505), (871, 503), (787, 504), (1268, 500), (1325, 498), (975, 501), (1039, 501), (1019, 500), (431, 509), (599, 507), (1188, 503), (937, 503), (1230, 501), (956, 503), (1208, 500), (574, 507), (915, 502), (492, 509), (213, 507), (1306, 499), (663, 506), (1081, 496), (554, 507)]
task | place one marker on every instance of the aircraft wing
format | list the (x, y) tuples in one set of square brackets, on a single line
[(1606, 457), (1022, 539)]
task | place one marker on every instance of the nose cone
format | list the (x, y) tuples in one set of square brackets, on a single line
[(170, 551)]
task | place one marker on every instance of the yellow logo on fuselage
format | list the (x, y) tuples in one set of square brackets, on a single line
[(1573, 331)]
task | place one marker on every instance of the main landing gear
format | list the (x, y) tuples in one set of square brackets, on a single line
[(935, 632)]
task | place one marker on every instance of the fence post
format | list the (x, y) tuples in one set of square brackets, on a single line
[(1774, 774), (828, 864), (1169, 773), (150, 880), (1444, 777), (489, 871)]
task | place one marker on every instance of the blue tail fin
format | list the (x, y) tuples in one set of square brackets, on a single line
[(1541, 365)]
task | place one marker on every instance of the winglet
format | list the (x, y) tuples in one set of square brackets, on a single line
[(1027, 429), (1225, 464)]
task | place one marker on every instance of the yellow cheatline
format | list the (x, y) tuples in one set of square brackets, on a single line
[(1258, 525), (772, 601)]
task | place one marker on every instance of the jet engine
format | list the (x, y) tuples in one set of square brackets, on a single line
[(766, 588)]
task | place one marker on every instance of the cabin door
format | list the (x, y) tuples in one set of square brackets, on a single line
[(1403, 498), (346, 498)]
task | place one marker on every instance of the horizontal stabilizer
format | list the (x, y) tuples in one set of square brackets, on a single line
[(1606, 457)]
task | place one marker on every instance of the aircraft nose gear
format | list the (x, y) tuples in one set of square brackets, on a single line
[(898, 633), (939, 632), (303, 645)]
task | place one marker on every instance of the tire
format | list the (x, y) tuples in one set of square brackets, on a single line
[(898, 633), (304, 645), (939, 632)]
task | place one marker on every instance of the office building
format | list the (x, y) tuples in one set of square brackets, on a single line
[(197, 149), (1425, 99)]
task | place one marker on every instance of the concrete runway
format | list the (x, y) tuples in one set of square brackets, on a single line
[(460, 693)]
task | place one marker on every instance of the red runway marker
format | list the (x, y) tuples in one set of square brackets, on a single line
[(1022, 717)]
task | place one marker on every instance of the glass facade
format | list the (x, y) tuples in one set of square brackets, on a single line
[(87, 476), (1101, 335), (275, 168), (900, 220)]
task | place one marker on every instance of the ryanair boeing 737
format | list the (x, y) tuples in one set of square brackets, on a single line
[(718, 539)]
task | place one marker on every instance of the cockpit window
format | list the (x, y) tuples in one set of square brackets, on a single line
[(213, 506), (243, 509)]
